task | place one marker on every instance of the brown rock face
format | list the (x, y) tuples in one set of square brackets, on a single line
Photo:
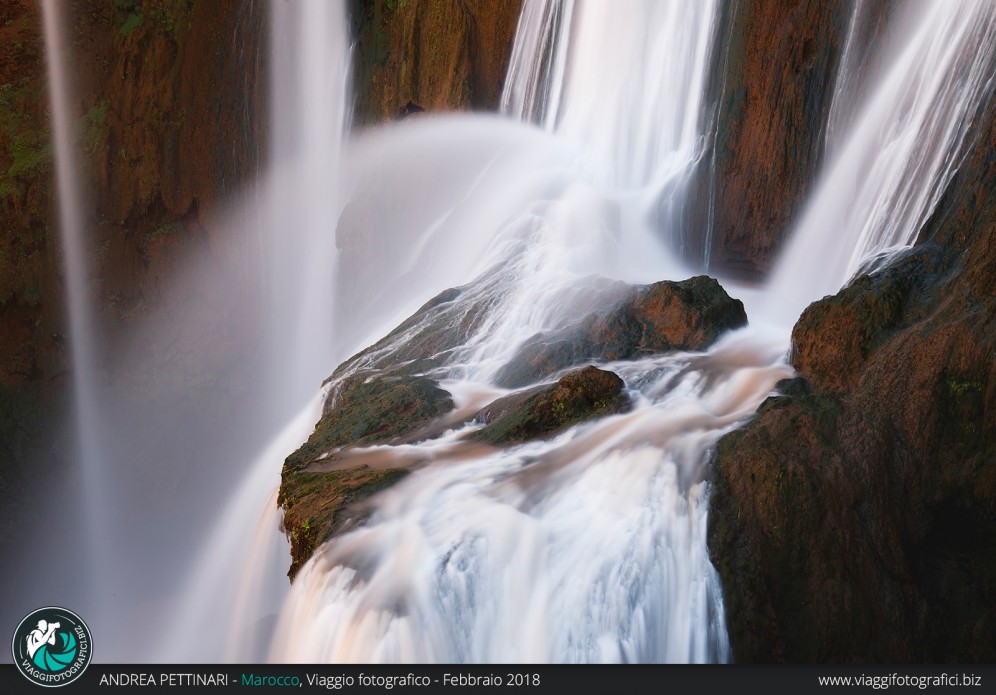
[(582, 395), (166, 132), (171, 105), (166, 121), (853, 518), (687, 315), (775, 68), (31, 333), (442, 55)]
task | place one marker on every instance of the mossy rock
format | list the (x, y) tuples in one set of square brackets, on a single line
[(366, 412), (582, 395), (360, 413), (313, 503)]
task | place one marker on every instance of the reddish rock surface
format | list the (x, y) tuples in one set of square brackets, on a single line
[(853, 519), (775, 68), (581, 395), (686, 315), (443, 55)]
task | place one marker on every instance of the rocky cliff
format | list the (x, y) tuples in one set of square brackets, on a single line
[(853, 518), (441, 55), (168, 107), (772, 84)]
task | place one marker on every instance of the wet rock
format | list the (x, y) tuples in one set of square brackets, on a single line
[(582, 395), (361, 412), (314, 501), (687, 315), (863, 317), (774, 77), (445, 55), (366, 412), (409, 109), (853, 518)]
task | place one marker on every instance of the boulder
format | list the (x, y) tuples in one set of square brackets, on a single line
[(581, 395), (362, 412), (687, 315), (313, 503)]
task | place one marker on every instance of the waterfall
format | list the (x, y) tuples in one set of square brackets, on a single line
[(299, 206), (82, 329), (898, 156), (536, 66), (588, 546)]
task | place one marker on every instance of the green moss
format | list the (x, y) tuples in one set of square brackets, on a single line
[(376, 411), (960, 388), (29, 147), (90, 128), (131, 23), (313, 502), (582, 395), (964, 412)]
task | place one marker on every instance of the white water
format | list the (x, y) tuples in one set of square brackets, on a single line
[(83, 349), (591, 546), (898, 156), (586, 547), (236, 583), (536, 67), (237, 580), (309, 107)]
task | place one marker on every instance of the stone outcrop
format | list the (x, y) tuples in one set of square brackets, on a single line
[(686, 315), (367, 412), (443, 55), (581, 395), (853, 518), (361, 412), (313, 502), (386, 394)]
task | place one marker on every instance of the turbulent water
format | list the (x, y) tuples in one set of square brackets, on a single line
[(589, 546)]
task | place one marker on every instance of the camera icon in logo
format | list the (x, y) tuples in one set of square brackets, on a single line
[(52, 646)]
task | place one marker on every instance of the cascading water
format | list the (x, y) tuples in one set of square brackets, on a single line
[(309, 51), (589, 546), (78, 297), (898, 156), (536, 66)]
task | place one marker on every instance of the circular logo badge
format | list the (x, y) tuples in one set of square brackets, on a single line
[(52, 646)]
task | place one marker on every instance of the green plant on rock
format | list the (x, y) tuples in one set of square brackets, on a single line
[(960, 388), (29, 148), (90, 128)]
